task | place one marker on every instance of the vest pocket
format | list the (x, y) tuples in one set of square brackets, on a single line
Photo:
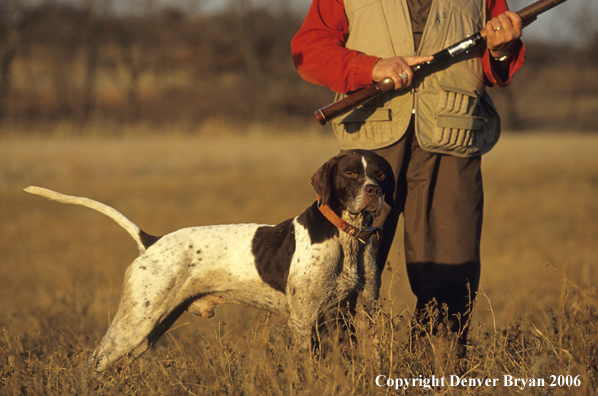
[(456, 126), (364, 127), (455, 131)]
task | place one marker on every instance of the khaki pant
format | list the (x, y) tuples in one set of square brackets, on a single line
[(441, 199)]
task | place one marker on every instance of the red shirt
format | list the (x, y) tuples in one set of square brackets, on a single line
[(321, 58)]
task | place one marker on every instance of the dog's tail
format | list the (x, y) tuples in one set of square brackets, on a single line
[(143, 240)]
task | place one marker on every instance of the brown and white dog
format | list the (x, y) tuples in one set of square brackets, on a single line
[(298, 268)]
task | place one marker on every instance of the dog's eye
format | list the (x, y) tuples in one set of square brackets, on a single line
[(351, 174), (379, 175)]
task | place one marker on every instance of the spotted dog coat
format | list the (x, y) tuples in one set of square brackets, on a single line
[(297, 268)]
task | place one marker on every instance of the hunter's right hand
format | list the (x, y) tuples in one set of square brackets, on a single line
[(398, 68)]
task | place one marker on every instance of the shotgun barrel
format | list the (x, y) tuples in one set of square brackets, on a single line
[(333, 110)]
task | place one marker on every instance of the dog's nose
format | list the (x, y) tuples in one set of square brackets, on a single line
[(373, 190)]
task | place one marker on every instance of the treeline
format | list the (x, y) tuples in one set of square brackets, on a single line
[(61, 62)]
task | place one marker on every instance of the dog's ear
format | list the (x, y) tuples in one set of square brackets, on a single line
[(389, 187), (321, 181)]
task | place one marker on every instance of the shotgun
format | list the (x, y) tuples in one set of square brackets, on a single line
[(325, 114)]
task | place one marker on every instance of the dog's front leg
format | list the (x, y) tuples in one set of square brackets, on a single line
[(373, 279), (301, 327), (369, 294), (303, 315), (367, 309)]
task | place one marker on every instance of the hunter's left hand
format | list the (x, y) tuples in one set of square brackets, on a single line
[(501, 32)]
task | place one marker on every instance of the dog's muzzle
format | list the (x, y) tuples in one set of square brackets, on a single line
[(372, 200)]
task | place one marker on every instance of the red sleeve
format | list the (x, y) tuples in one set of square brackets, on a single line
[(495, 8), (319, 50)]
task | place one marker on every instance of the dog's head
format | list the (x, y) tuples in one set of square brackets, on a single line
[(355, 181)]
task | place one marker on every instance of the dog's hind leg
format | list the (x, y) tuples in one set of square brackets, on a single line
[(151, 302), (122, 340)]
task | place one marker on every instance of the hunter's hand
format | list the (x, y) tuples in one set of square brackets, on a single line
[(398, 68), (501, 32)]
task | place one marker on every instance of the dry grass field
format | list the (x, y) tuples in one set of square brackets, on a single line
[(536, 317)]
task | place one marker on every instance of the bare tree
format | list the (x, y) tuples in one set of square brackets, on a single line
[(12, 18), (134, 60), (580, 88), (95, 12)]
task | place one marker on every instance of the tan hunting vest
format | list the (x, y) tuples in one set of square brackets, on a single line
[(453, 113)]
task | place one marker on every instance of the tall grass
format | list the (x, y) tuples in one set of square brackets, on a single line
[(62, 266)]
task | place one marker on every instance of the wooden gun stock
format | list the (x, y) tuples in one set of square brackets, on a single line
[(342, 106), (327, 113)]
